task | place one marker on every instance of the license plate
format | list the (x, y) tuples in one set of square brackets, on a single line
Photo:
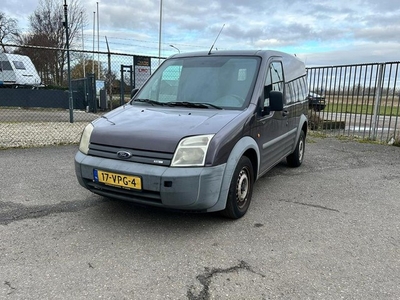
[(118, 180)]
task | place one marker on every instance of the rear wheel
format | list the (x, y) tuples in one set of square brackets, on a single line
[(240, 190), (296, 158)]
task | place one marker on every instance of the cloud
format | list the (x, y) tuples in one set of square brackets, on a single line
[(324, 31)]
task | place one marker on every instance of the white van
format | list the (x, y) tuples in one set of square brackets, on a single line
[(17, 70)]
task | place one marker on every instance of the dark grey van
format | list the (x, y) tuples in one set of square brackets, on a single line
[(200, 132)]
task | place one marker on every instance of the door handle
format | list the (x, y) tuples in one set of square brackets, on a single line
[(285, 113)]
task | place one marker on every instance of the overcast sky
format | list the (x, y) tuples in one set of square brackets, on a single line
[(320, 32)]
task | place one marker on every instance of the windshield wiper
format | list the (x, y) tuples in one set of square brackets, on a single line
[(209, 105), (193, 104), (152, 102)]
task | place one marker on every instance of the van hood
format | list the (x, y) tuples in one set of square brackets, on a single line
[(156, 129)]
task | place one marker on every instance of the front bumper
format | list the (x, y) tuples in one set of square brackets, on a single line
[(196, 188)]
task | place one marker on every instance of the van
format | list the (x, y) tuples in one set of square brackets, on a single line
[(200, 132), (17, 71)]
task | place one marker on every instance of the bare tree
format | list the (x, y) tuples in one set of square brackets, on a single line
[(47, 29), (77, 71), (9, 31), (44, 59)]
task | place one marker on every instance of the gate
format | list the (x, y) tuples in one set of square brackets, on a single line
[(84, 93), (361, 100)]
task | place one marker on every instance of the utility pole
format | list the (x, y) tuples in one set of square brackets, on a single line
[(71, 102)]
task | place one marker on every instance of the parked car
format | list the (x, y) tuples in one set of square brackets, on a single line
[(316, 101), (200, 132)]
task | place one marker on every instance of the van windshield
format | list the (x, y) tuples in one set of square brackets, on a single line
[(217, 81)]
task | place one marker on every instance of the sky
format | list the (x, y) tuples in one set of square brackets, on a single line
[(319, 32)]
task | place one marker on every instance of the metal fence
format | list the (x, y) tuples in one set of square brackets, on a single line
[(359, 100), (34, 94)]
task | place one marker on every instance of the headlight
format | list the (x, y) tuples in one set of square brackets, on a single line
[(192, 151), (85, 138)]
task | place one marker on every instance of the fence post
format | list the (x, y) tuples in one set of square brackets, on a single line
[(71, 101), (121, 87), (109, 77), (378, 96)]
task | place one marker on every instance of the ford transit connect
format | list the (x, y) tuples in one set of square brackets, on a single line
[(200, 132)]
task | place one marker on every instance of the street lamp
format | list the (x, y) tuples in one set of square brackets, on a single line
[(175, 48), (159, 33)]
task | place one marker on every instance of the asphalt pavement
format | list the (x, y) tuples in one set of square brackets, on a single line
[(327, 230)]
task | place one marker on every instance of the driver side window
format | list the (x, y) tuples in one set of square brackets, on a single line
[(273, 81)]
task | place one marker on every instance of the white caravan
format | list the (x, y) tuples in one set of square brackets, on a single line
[(17, 71)]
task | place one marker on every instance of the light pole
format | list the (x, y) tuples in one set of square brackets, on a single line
[(159, 34), (94, 30), (83, 48), (98, 41), (70, 101), (175, 48)]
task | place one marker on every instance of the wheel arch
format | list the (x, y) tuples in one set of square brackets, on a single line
[(254, 158), (246, 146), (303, 125)]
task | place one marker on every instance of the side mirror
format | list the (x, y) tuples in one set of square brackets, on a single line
[(133, 92), (275, 101)]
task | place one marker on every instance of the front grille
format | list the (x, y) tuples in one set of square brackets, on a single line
[(140, 156), (110, 191)]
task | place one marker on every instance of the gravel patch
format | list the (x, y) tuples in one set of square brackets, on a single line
[(38, 134)]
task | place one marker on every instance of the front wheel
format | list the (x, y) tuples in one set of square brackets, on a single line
[(240, 190), (296, 158)]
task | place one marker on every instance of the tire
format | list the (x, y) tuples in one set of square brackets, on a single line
[(295, 159), (240, 190)]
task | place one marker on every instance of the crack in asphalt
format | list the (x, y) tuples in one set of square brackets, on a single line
[(205, 279), (18, 212), (311, 205), (12, 289)]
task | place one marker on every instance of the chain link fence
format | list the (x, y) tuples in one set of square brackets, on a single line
[(34, 96), (35, 110)]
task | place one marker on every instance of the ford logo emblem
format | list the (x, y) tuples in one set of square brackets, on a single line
[(124, 154)]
